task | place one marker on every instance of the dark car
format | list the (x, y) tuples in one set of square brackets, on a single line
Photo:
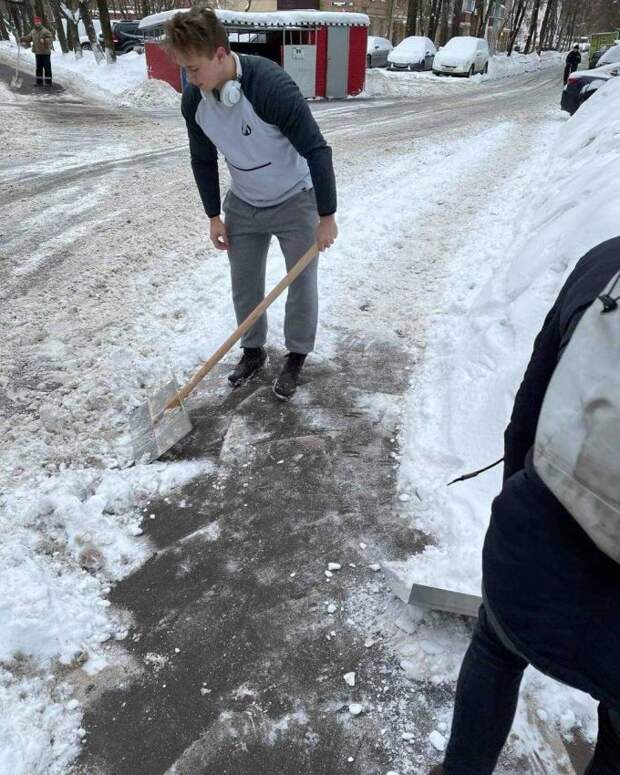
[(126, 37), (582, 84)]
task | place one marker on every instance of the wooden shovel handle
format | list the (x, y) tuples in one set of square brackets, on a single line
[(245, 326)]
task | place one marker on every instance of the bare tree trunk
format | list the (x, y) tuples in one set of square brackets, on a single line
[(531, 37), (518, 21), (18, 22), (484, 20), (457, 11), (389, 19), (433, 20), (106, 29), (90, 31), (545, 23), (71, 13), (60, 30), (412, 18), (443, 30), (477, 14), (4, 33), (26, 16)]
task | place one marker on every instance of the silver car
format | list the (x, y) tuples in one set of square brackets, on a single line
[(377, 51)]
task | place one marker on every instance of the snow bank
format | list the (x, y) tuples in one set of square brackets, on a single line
[(103, 82), (482, 335), (152, 94), (385, 83)]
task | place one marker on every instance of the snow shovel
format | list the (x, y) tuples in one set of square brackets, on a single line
[(163, 421), (17, 80), (400, 578)]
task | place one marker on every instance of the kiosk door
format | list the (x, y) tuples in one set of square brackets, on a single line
[(337, 61)]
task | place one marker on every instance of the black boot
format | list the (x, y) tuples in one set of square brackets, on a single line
[(286, 384), (251, 361)]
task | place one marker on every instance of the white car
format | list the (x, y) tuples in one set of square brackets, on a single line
[(413, 53), (610, 57), (84, 39), (462, 56), (377, 50)]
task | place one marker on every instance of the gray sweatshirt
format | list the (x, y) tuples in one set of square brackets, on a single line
[(270, 141)]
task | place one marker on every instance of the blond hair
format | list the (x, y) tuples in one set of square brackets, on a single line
[(197, 31)]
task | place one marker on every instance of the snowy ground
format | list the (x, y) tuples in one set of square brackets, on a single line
[(106, 278)]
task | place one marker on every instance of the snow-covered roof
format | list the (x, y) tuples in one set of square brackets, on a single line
[(271, 19)]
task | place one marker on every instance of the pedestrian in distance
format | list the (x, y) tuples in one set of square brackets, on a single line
[(282, 180), (42, 44), (573, 60), (551, 556)]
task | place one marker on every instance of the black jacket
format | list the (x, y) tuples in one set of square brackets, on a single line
[(573, 60), (553, 592)]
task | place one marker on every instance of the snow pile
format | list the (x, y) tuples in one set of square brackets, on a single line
[(152, 93), (48, 724), (83, 74), (501, 66), (64, 539), (385, 83), (482, 334)]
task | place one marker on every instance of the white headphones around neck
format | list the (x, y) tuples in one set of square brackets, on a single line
[(230, 93)]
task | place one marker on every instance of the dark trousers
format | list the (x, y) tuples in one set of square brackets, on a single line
[(567, 71), (44, 64), (486, 700)]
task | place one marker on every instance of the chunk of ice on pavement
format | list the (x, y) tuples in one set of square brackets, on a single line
[(355, 709), (334, 566), (349, 678), (437, 740)]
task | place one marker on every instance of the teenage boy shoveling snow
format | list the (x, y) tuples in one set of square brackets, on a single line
[(282, 180)]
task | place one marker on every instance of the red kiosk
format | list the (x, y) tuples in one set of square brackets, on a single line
[(324, 52)]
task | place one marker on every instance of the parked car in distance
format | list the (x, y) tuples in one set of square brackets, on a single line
[(126, 36), (377, 50), (584, 44), (462, 56), (412, 53), (582, 84), (611, 56)]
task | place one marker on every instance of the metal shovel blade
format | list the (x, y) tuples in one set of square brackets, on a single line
[(154, 431), (16, 81), (445, 600)]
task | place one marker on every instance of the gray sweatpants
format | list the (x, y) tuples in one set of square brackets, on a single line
[(249, 230)]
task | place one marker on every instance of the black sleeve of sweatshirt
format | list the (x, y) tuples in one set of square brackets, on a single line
[(203, 154), (586, 282), (276, 99)]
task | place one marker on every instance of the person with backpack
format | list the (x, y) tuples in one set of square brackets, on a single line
[(42, 43), (573, 60), (282, 180), (551, 556)]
